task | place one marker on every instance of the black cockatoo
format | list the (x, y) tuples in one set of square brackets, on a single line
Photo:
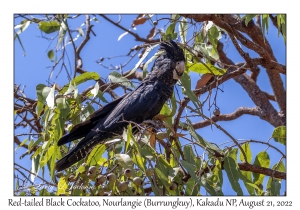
[(141, 104)]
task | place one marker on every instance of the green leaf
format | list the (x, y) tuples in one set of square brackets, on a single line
[(139, 161), (248, 18), (124, 160), (232, 171), (279, 134), (274, 184), (202, 142), (281, 24), (116, 78), (64, 107), (162, 178), (202, 68), (44, 192), (95, 155), (47, 156), (265, 23), (128, 136), (101, 96), (62, 186), (189, 155), (246, 177), (186, 84), (81, 79), (217, 178), (49, 26), (30, 144), (192, 188), (86, 112), (170, 32), (206, 183), (165, 110), (263, 160), (163, 165), (275, 187), (50, 54), (209, 51), (40, 91), (191, 170), (53, 160), (247, 150), (23, 142)]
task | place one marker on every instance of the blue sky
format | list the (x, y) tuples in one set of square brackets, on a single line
[(34, 69)]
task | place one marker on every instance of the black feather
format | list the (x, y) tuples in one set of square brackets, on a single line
[(141, 104)]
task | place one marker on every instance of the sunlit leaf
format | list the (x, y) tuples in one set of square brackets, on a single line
[(122, 35), (47, 156), (263, 160), (265, 23), (62, 186), (22, 26), (22, 143), (247, 150), (95, 90), (95, 154), (49, 26), (139, 161), (147, 51), (124, 160), (50, 98), (202, 68), (81, 79), (248, 18), (279, 134)]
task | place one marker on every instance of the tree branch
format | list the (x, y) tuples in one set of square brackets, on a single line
[(137, 37), (227, 117)]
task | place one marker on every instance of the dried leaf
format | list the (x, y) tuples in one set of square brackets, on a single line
[(202, 82), (160, 117), (139, 20), (152, 140), (151, 34), (180, 135)]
